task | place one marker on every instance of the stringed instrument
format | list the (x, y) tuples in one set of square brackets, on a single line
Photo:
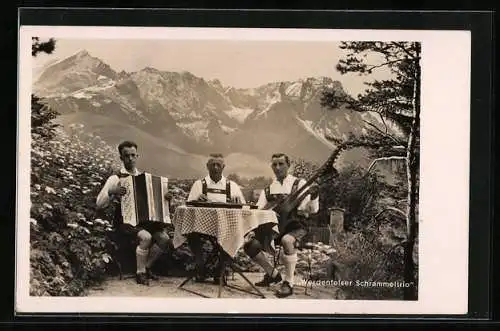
[(285, 205)]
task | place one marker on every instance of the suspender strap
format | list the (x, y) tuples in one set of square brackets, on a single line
[(295, 185), (204, 186), (267, 190), (227, 191), (118, 217)]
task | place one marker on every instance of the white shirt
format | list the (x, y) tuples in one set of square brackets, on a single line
[(197, 190), (307, 206), (104, 197)]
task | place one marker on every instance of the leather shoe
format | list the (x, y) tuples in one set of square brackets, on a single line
[(268, 280), (285, 290), (142, 278), (151, 275)]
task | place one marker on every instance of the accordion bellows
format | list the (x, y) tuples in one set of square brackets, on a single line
[(144, 200)]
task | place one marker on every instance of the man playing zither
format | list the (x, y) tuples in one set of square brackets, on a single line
[(152, 236), (213, 188), (260, 239)]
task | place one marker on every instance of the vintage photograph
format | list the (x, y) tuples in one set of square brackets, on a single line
[(225, 168)]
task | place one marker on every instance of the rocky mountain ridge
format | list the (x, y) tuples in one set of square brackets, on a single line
[(194, 116)]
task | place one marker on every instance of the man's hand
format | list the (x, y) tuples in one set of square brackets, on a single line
[(118, 191), (203, 198), (168, 196), (235, 200), (249, 236), (314, 191)]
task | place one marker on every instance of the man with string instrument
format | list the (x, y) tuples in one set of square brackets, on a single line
[(292, 224)]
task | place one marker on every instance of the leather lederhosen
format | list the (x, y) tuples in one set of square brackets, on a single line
[(264, 233)]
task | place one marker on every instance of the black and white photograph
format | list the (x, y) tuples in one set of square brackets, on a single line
[(222, 166)]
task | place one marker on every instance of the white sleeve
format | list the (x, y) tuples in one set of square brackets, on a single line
[(304, 203), (103, 198), (195, 192), (236, 191), (313, 206), (261, 203)]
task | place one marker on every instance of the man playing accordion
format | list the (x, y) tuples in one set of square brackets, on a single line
[(259, 240), (151, 236)]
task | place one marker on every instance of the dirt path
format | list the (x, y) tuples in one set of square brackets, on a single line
[(168, 287)]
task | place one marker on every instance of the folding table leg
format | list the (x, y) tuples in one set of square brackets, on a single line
[(186, 280), (240, 272)]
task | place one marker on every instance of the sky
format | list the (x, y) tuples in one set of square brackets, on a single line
[(237, 63)]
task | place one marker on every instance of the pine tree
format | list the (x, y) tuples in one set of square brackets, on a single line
[(42, 47), (41, 114), (395, 101)]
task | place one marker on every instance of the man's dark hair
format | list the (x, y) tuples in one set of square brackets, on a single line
[(278, 155), (126, 144)]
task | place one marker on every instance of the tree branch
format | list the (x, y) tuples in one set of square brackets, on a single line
[(398, 45), (375, 161), (370, 69), (382, 132), (383, 121)]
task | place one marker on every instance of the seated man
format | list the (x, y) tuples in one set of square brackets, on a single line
[(213, 188), (152, 237), (260, 239)]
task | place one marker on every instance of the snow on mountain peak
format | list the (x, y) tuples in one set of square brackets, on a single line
[(239, 114), (82, 53)]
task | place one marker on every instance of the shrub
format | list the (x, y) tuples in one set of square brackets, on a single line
[(363, 259), (69, 247), (41, 118), (70, 243)]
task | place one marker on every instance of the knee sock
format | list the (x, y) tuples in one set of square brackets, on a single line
[(141, 256), (290, 261), (154, 253)]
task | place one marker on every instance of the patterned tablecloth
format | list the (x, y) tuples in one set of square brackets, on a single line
[(228, 226)]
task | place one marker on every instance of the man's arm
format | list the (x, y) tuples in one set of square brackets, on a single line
[(308, 205), (303, 204), (236, 192), (195, 192), (104, 196), (262, 202), (313, 206)]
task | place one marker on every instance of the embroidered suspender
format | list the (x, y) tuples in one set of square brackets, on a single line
[(227, 191), (118, 217), (270, 197)]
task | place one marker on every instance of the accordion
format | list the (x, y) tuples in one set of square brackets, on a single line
[(144, 200)]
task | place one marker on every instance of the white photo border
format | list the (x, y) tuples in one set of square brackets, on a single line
[(444, 178)]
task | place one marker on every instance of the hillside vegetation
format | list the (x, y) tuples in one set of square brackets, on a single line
[(70, 242), (70, 246)]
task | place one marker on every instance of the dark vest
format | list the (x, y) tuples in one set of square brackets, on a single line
[(227, 191)]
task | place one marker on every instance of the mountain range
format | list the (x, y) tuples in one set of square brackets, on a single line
[(178, 118)]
